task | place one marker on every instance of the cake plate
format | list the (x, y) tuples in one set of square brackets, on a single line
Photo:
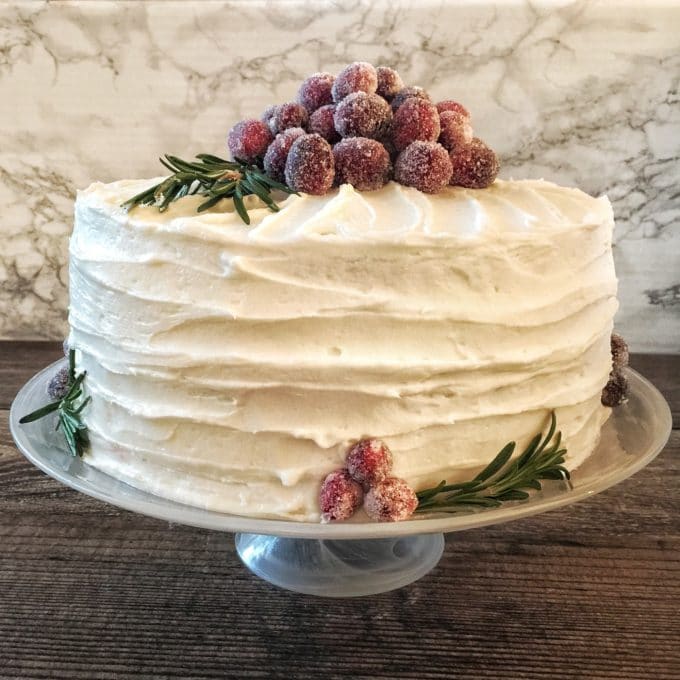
[(357, 557)]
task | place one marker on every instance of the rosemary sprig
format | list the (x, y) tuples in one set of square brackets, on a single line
[(214, 178), (69, 408), (502, 480)]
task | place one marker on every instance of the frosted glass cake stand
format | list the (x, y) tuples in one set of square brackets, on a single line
[(362, 557)]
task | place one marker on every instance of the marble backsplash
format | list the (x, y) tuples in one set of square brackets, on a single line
[(581, 93)]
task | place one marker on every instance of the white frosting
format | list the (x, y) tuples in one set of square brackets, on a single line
[(230, 366)]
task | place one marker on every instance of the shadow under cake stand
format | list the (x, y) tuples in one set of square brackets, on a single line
[(352, 558)]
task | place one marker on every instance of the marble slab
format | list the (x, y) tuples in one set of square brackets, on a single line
[(582, 93)]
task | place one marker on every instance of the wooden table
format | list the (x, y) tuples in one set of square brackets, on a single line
[(89, 591)]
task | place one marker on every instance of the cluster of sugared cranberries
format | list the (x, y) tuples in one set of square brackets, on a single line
[(367, 470), (615, 392), (364, 127)]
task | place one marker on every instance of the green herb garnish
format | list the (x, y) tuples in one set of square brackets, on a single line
[(502, 480), (213, 178), (69, 408)]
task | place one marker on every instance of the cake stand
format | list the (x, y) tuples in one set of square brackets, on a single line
[(357, 557)]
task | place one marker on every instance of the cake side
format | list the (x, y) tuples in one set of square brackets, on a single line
[(230, 367)]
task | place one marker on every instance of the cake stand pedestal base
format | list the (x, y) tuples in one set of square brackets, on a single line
[(348, 568)]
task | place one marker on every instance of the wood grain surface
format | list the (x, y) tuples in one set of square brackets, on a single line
[(88, 591)]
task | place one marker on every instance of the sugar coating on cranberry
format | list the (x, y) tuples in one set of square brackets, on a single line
[(277, 153), (369, 461), (362, 115), (340, 496), (364, 163), (450, 105), (415, 120), (310, 166), (289, 115), (425, 166), (409, 93), (315, 91), (59, 384), (615, 392), (456, 130), (389, 82), (268, 115), (321, 121), (391, 500), (475, 166), (619, 349), (359, 76), (248, 140)]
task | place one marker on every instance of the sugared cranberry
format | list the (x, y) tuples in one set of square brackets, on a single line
[(409, 93), (475, 166), (362, 115), (615, 391), (415, 120), (340, 496), (277, 153), (58, 385), (360, 76), (390, 500), (321, 122), (389, 82), (290, 115), (425, 166), (450, 105), (620, 354), (456, 130), (369, 461), (268, 115), (310, 166), (363, 163), (248, 140), (315, 91)]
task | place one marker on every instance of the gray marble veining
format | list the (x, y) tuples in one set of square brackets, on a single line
[(581, 93)]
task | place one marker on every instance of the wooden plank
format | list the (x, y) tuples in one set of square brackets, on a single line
[(89, 591)]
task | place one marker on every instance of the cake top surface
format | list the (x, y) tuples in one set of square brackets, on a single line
[(394, 213)]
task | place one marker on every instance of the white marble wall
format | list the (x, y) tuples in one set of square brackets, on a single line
[(583, 93)]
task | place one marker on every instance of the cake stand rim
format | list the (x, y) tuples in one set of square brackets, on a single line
[(160, 508)]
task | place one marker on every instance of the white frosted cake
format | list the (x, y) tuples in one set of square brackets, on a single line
[(230, 367)]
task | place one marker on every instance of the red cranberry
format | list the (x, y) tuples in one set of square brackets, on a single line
[(59, 384), (268, 115), (310, 166), (248, 140), (277, 153), (363, 163), (415, 120), (321, 122), (369, 461), (290, 115), (620, 354), (456, 130), (315, 91), (362, 115), (389, 82), (615, 392), (475, 166), (359, 76), (409, 93), (390, 500), (425, 166), (450, 105), (340, 496)]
